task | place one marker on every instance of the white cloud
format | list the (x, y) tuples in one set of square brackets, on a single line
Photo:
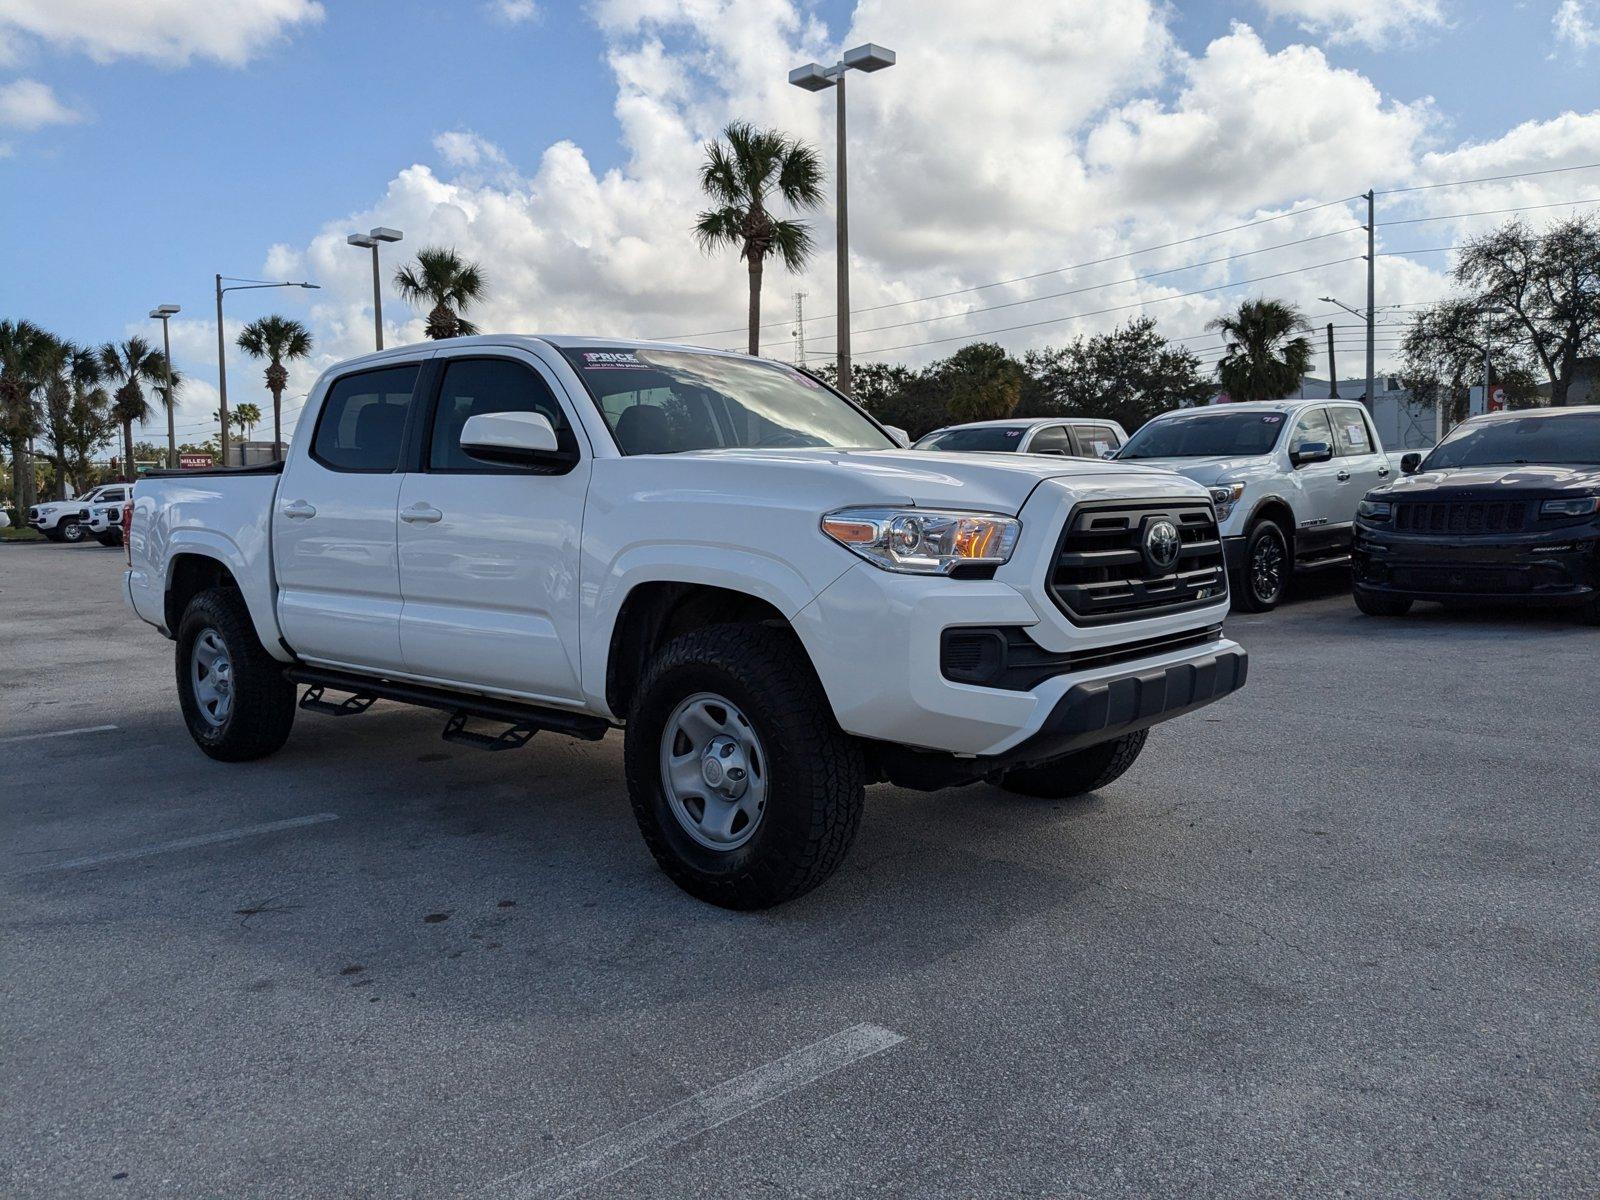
[(1375, 22), (166, 31), (463, 148), (28, 104), (1577, 24), (514, 12)]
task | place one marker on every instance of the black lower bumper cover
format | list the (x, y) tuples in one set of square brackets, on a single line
[(1089, 713)]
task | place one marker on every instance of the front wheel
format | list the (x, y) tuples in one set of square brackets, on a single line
[(236, 700), (746, 790), (72, 531), (1076, 773), (1265, 573), (1375, 604)]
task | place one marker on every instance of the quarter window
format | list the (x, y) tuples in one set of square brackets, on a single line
[(363, 421), (473, 386)]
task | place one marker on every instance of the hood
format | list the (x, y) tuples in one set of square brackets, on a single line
[(51, 506), (1524, 481), (998, 483), (1208, 471)]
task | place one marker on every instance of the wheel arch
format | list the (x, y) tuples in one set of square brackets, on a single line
[(195, 565), (1279, 511)]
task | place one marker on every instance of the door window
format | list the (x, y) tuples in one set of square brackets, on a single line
[(1052, 439), (473, 386), (363, 421), (1311, 427), (109, 496), (1350, 433), (1097, 441)]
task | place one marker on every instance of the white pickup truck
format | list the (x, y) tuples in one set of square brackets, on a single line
[(716, 552), (1285, 475), (68, 520)]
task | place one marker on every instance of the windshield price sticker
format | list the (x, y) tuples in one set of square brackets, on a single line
[(599, 360)]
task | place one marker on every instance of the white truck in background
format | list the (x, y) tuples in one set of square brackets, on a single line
[(719, 553), (68, 520)]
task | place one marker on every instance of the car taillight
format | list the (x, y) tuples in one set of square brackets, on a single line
[(127, 532)]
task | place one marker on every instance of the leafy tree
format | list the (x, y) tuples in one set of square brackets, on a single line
[(24, 353), (1128, 375), (896, 395), (742, 171), (1442, 360), (276, 339), (246, 417), (1266, 359), (75, 421), (446, 281), (982, 381), (131, 365), (1538, 293)]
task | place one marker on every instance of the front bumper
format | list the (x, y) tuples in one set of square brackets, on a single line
[(1549, 567)]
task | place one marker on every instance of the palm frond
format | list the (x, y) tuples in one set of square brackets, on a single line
[(792, 242)]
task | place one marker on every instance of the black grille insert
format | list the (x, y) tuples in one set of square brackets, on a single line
[(1460, 516), (1103, 573)]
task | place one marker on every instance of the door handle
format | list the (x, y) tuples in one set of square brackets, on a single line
[(1383, 471), (1343, 476), (298, 510), (421, 514)]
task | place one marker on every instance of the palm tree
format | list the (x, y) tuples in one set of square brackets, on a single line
[(1265, 360), (246, 417), (24, 348), (740, 176), (449, 283), (276, 339), (130, 365)]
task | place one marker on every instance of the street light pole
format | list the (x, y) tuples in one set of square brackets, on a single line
[(246, 285), (371, 240), (1372, 299), (164, 313), (814, 77)]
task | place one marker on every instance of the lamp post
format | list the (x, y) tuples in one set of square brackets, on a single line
[(370, 241), (1371, 318), (234, 285), (814, 77), (164, 313)]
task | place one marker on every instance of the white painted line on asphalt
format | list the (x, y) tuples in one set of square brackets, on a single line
[(588, 1164), (33, 737), (188, 843)]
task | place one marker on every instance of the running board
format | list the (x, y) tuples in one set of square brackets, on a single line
[(1316, 564), (522, 720)]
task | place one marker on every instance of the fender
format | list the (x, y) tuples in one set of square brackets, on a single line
[(258, 593)]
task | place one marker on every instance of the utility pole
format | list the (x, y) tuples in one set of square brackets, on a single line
[(1333, 369), (800, 329), (1372, 297)]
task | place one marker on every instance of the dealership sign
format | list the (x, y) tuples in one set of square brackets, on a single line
[(193, 461)]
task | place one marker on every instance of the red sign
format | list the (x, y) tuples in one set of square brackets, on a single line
[(1497, 399), (191, 462)]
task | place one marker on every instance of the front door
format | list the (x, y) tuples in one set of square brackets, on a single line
[(488, 553), (1320, 488), (333, 531)]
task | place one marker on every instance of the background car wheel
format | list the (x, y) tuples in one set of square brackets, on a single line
[(73, 532), (1265, 573), (1375, 604), (1076, 773), (746, 790), (236, 700)]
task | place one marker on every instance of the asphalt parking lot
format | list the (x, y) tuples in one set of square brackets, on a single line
[(1335, 935)]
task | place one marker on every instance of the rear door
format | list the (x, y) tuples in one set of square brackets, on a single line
[(335, 557), (1319, 485), (489, 554), (1363, 466)]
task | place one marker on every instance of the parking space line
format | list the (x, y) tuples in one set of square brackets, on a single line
[(188, 843), (588, 1164), (55, 733)]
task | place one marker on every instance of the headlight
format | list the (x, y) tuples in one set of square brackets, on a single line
[(1375, 510), (1225, 496), (923, 541), (1580, 507)]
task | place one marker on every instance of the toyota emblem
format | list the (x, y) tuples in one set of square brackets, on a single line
[(1161, 545)]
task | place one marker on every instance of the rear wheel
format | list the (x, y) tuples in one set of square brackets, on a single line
[(236, 700), (1375, 604), (72, 531), (1264, 576), (1076, 773), (746, 790)]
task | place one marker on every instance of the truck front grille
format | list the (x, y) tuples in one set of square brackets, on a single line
[(1103, 572), (1460, 516)]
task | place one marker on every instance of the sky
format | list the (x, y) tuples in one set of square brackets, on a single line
[(145, 147)]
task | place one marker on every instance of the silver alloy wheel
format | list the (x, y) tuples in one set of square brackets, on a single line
[(713, 771), (211, 675), (71, 531)]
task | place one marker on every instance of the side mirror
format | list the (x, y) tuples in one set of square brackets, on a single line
[(511, 438), (900, 436), (1310, 452), (1411, 463)]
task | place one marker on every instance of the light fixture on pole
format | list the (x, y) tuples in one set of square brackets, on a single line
[(370, 241), (235, 284), (164, 313), (1371, 318), (814, 77)]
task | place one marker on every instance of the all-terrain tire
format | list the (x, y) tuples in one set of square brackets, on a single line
[(72, 532), (1254, 591), (262, 705), (1076, 773), (814, 772), (1376, 604)]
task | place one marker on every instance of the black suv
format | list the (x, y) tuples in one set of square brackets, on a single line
[(1506, 508)]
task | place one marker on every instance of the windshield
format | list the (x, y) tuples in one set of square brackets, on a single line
[(669, 401), (984, 437), (1208, 435), (1572, 438)]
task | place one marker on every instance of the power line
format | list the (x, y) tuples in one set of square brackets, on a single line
[(1489, 212), (1428, 187)]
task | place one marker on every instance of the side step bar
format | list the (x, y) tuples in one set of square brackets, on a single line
[(1341, 559), (523, 720)]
